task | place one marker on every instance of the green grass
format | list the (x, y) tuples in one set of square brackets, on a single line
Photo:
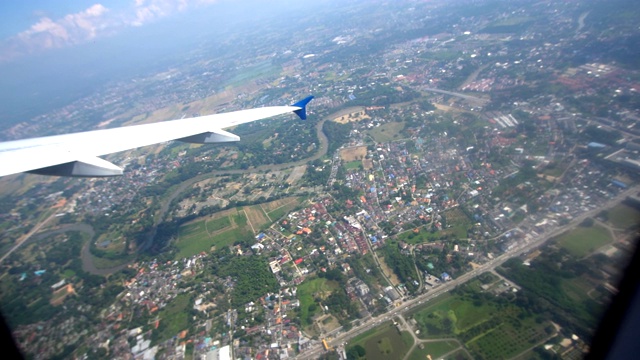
[(68, 273), (308, 291), (581, 241), (353, 165), (261, 70), (277, 214), (174, 317), (462, 313), (283, 210), (194, 238), (435, 349), (624, 216), (218, 224), (387, 132), (457, 231), (458, 220), (383, 342), (193, 228), (407, 338), (104, 263)]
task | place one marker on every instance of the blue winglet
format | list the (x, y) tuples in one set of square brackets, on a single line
[(302, 104)]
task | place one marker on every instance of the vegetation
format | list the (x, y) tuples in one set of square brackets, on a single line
[(582, 241), (491, 326), (384, 342), (434, 349), (402, 265), (337, 134), (623, 216), (556, 287), (251, 274), (173, 318), (309, 292)]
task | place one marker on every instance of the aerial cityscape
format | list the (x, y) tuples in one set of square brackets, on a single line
[(466, 186)]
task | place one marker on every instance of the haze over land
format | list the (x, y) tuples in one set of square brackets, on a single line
[(466, 185)]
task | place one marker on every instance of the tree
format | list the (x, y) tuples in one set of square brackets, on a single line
[(356, 352)]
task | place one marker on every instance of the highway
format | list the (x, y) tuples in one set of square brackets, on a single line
[(317, 349), (475, 99)]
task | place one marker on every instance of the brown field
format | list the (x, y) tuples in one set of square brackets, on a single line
[(345, 112), (217, 215), (296, 174), (273, 205), (354, 153), (354, 116), (367, 164), (61, 294), (256, 217), (388, 272)]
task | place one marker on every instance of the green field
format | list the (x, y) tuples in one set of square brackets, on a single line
[(435, 349), (458, 220), (260, 70), (491, 328), (584, 240), (218, 224), (623, 216), (284, 209), (387, 132), (173, 318), (308, 291), (383, 342), (451, 316), (508, 339), (194, 238), (353, 165)]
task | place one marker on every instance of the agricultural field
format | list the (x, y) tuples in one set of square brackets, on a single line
[(582, 241), (491, 327), (279, 208), (257, 218), (226, 227), (508, 339), (296, 174), (220, 230), (384, 342)]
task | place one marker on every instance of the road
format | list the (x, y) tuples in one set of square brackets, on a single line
[(479, 101), (24, 239), (317, 349)]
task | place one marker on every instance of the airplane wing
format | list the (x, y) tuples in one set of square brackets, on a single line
[(77, 154)]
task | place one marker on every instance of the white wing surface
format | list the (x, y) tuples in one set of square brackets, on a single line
[(77, 154)]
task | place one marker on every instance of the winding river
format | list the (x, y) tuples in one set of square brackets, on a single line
[(88, 264)]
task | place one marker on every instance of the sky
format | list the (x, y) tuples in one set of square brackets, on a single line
[(37, 26), (55, 52)]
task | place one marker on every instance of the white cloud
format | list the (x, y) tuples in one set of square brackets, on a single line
[(89, 24)]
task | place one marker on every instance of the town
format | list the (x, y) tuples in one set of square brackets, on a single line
[(448, 156)]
